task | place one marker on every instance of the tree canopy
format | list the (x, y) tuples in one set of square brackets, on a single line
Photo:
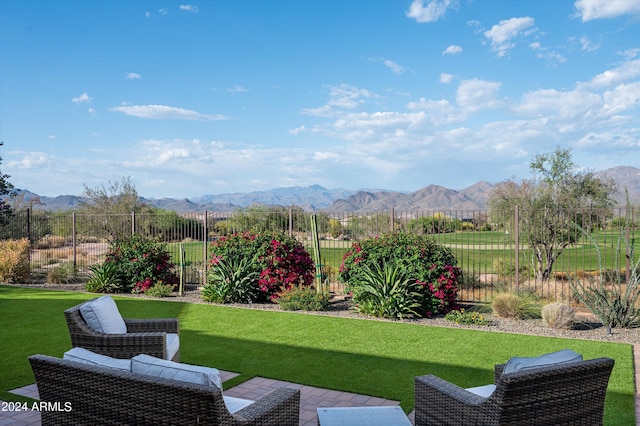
[(559, 195), (6, 189)]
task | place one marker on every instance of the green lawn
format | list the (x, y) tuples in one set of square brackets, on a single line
[(370, 357)]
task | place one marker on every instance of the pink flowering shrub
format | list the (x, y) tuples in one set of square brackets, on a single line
[(432, 266), (281, 261), (141, 263)]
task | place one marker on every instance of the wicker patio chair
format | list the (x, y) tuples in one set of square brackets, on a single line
[(143, 336), (564, 394), (95, 395)]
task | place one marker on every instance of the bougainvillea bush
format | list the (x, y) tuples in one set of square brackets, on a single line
[(141, 263), (432, 266), (280, 261)]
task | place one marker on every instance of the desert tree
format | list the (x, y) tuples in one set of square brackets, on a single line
[(559, 195), (112, 206), (6, 192)]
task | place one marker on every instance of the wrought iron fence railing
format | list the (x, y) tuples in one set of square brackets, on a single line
[(493, 249)]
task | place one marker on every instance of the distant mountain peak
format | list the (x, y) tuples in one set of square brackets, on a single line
[(317, 197)]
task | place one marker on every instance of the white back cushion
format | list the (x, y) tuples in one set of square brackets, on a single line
[(103, 316), (560, 357), (173, 344), (236, 404), (87, 357), (152, 366), (484, 391)]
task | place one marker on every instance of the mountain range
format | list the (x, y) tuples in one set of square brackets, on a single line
[(316, 197)]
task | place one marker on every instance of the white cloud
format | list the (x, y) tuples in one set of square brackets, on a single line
[(630, 53), (163, 11), (298, 130), (162, 112), (452, 50), (325, 156), (626, 71), (189, 8), (394, 67), (589, 10), (423, 11), (474, 95), (341, 97), (446, 78), (236, 89), (51, 136), (133, 76), (501, 35), (84, 98), (587, 45), (31, 160)]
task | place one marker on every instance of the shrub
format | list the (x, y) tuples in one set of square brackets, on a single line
[(300, 298), (14, 261), (141, 262), (231, 281), (506, 270), (105, 278), (514, 305), (424, 261), (467, 317), (281, 261), (64, 273), (387, 291), (558, 315), (159, 290)]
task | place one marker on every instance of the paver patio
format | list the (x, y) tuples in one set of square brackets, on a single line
[(310, 397)]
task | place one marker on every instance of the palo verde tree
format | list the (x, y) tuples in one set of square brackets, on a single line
[(557, 197), (112, 206), (6, 190)]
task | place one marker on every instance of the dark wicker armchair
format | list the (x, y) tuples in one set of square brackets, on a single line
[(564, 394), (94, 395), (144, 336)]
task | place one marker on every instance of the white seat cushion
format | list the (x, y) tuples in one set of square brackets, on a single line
[(560, 357), (484, 391), (173, 344), (152, 366), (87, 357), (103, 316), (236, 404)]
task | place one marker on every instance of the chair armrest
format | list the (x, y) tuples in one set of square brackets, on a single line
[(125, 345), (167, 325), (281, 407), (498, 369), (438, 402)]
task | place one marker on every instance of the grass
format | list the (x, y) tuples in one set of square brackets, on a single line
[(370, 357)]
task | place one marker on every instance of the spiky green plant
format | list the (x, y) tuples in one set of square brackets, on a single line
[(105, 278), (231, 280), (607, 297), (386, 291)]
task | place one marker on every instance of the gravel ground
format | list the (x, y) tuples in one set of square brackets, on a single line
[(588, 328)]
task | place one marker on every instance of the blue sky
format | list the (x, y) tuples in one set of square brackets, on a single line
[(208, 97)]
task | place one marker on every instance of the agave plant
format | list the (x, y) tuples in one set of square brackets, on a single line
[(386, 291), (613, 299), (232, 281), (105, 278)]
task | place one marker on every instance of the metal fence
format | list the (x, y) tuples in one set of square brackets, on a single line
[(492, 249)]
